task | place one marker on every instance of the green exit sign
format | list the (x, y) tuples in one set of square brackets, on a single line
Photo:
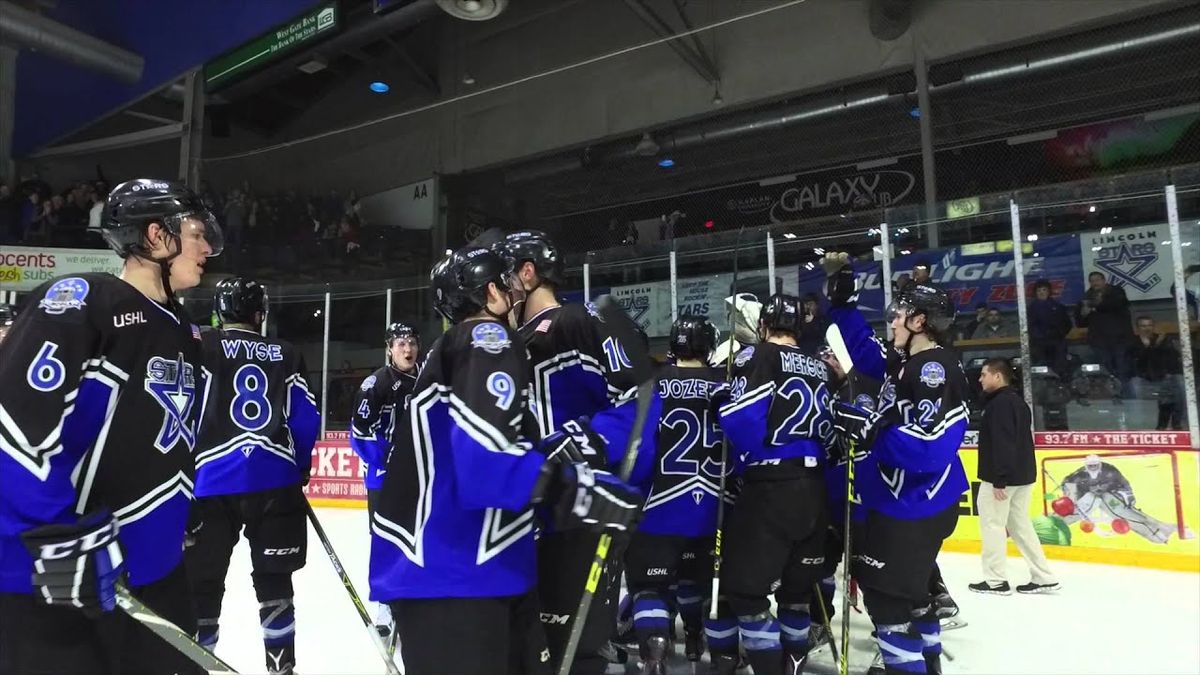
[(303, 30)]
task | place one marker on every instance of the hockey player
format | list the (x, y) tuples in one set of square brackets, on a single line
[(382, 396), (453, 550), (253, 458), (98, 409), (673, 544), (779, 427), (579, 368), (911, 479), (7, 316)]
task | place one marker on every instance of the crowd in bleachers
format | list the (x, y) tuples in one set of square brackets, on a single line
[(33, 214)]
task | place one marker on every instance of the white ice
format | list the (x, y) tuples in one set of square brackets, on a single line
[(1106, 619)]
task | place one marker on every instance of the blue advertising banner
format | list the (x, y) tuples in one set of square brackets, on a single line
[(974, 273)]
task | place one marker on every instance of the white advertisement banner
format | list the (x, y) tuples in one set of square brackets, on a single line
[(24, 268), (1137, 259)]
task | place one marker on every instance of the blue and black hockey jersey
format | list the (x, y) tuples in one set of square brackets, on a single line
[(454, 517), (381, 396), (913, 469), (683, 496), (260, 419), (780, 407), (99, 400)]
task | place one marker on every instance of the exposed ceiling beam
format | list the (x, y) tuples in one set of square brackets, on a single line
[(147, 116), (153, 135), (698, 46), (682, 49)]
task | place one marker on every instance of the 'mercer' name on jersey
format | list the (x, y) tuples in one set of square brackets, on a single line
[(257, 351), (802, 364), (689, 388)]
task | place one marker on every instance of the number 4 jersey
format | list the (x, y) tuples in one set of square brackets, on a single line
[(98, 409), (260, 420)]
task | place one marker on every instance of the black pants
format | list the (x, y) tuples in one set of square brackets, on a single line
[(775, 532), (471, 636), (894, 561), (275, 526), (564, 560), (38, 639)]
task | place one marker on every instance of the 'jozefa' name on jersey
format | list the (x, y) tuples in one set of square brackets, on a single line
[(98, 410), (260, 420), (380, 396), (780, 406), (579, 369), (454, 518), (913, 469), (683, 495)]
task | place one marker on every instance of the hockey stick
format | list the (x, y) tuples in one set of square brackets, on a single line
[(170, 633), (833, 650), (643, 370), (716, 578), (833, 336), (354, 597)]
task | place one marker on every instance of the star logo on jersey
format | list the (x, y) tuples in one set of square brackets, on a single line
[(1125, 266), (172, 383)]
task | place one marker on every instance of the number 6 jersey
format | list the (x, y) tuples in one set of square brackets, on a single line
[(98, 409), (260, 420)]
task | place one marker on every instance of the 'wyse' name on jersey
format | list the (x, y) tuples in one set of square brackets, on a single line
[(256, 351)]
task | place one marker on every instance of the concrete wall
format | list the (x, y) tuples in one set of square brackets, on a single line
[(807, 47)]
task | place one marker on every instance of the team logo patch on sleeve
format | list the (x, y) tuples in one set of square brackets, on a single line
[(367, 383), (743, 357), (933, 374), (65, 294), (490, 337), (865, 402)]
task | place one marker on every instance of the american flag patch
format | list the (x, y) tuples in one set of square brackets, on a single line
[(543, 327), (195, 331)]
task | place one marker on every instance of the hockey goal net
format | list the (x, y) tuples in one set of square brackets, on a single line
[(1153, 475)]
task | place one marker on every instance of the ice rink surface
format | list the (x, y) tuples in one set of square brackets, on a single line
[(1106, 619)]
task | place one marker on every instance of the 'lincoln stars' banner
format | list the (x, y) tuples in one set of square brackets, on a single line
[(1137, 259)]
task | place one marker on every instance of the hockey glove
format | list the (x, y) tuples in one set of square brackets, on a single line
[(77, 565), (856, 428), (594, 499), (718, 397), (841, 283)]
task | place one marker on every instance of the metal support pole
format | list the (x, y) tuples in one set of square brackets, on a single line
[(387, 321), (886, 241), (325, 367), (193, 128), (8, 110), (927, 165), (1022, 306), (674, 286), (587, 282), (771, 264), (1185, 333)]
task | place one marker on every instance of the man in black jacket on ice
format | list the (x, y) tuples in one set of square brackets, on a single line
[(1007, 473)]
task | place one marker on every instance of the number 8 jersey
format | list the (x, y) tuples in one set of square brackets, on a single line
[(260, 420)]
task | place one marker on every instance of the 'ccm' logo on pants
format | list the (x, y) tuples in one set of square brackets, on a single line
[(281, 551)]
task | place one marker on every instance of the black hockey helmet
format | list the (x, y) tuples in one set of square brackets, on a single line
[(133, 205), (400, 331), (782, 313), (535, 247), (239, 300), (459, 282), (930, 301), (692, 337)]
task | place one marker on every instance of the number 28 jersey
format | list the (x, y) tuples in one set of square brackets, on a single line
[(260, 420), (98, 410)]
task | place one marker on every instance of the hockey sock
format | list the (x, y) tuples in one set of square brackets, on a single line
[(691, 605), (207, 633), (930, 628), (278, 618), (651, 615), (828, 587), (900, 645), (759, 633), (722, 634), (794, 621)]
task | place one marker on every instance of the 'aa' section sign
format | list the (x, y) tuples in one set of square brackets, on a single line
[(1136, 258)]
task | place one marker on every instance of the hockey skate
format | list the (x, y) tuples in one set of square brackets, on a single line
[(281, 661), (724, 664), (383, 621), (654, 655), (693, 644), (820, 635), (877, 667)]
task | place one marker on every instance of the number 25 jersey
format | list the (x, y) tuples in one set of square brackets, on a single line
[(260, 420), (98, 410)]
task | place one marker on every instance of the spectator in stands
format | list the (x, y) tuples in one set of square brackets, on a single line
[(234, 225), (1049, 324), (96, 213), (920, 271), (10, 215), (812, 332), (1158, 373), (968, 328), (631, 234), (31, 212), (1104, 311), (994, 326), (72, 219)]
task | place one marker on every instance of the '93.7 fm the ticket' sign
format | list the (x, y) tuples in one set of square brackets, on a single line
[(337, 473)]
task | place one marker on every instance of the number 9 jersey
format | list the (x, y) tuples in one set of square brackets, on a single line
[(98, 410), (260, 421)]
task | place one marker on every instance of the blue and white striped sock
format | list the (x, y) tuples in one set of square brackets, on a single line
[(278, 619), (722, 634), (691, 604), (900, 646), (759, 633), (794, 621), (207, 633), (651, 615)]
